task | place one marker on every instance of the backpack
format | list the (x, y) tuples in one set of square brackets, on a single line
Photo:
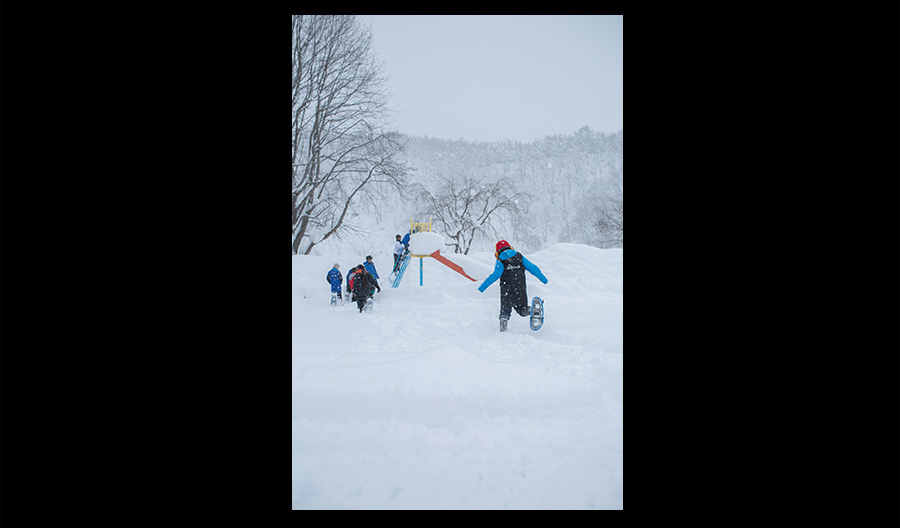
[(357, 277), (513, 270)]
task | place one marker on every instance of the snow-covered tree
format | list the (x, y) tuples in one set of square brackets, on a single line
[(569, 187), (609, 216), (339, 144), (466, 208)]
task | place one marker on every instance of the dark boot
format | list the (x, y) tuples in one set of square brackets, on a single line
[(503, 323)]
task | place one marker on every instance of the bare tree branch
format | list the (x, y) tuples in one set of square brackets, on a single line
[(338, 111), (467, 208)]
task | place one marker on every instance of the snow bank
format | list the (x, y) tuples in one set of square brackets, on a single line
[(425, 243), (424, 404)]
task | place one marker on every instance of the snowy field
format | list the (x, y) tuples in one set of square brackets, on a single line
[(424, 404)]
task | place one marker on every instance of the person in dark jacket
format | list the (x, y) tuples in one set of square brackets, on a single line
[(336, 280), (510, 269), (363, 287)]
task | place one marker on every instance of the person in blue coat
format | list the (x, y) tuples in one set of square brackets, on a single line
[(510, 269), (405, 240), (370, 267), (334, 278)]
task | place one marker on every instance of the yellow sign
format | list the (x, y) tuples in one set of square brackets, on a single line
[(415, 227)]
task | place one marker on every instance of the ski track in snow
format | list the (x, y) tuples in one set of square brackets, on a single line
[(424, 404)]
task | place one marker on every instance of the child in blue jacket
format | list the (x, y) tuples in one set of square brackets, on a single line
[(370, 267), (510, 269), (334, 278)]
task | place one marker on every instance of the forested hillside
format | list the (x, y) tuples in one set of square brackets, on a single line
[(558, 189)]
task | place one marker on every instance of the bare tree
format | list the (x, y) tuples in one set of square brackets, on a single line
[(469, 207), (339, 145), (609, 215)]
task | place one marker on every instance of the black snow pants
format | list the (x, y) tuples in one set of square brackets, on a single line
[(513, 293), (363, 286), (514, 300), (361, 302)]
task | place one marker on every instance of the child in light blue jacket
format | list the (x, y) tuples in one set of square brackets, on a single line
[(370, 267), (510, 269)]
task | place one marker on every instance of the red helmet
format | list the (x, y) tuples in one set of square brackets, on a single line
[(503, 244)]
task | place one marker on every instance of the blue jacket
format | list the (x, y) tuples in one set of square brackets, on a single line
[(405, 240), (498, 270), (334, 277), (370, 267)]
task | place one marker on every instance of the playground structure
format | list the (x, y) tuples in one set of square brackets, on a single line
[(424, 227)]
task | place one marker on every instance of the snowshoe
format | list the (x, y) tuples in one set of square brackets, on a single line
[(503, 323), (537, 313), (369, 305), (333, 299)]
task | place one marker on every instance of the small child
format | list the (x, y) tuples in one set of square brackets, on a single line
[(510, 269), (350, 276), (398, 253), (363, 287), (370, 267), (335, 279)]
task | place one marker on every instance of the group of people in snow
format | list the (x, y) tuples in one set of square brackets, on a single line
[(509, 269), (362, 282)]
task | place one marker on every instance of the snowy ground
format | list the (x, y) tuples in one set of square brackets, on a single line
[(424, 404)]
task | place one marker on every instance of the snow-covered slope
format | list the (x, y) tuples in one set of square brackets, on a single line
[(424, 404)]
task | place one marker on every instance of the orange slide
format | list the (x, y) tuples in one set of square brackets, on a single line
[(455, 267)]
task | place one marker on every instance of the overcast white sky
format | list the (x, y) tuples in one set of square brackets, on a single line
[(497, 77)]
